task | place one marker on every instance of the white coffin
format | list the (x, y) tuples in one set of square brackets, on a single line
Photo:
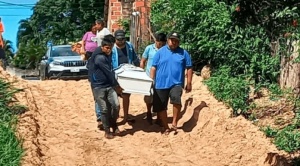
[(133, 79)]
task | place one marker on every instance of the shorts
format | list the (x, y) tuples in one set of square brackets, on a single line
[(161, 98)]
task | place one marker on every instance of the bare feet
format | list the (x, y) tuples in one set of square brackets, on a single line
[(169, 130)]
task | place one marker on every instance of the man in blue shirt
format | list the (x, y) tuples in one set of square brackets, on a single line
[(168, 72), (123, 53), (147, 58)]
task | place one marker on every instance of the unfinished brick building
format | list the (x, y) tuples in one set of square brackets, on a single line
[(136, 11)]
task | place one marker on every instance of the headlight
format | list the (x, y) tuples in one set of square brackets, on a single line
[(56, 63)]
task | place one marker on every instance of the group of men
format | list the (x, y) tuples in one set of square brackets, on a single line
[(165, 62)]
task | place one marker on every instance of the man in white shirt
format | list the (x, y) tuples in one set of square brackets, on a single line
[(101, 31)]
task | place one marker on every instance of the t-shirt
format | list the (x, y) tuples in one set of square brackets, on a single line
[(148, 54), (100, 70), (101, 34), (170, 67), (90, 43), (122, 55), (1, 27)]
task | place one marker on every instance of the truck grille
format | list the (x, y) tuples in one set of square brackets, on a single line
[(74, 63)]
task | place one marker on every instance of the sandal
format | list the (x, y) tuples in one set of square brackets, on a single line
[(167, 132), (174, 128)]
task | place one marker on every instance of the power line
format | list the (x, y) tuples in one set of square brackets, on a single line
[(14, 4), (14, 15)]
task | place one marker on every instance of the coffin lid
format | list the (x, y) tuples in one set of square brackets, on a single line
[(131, 71)]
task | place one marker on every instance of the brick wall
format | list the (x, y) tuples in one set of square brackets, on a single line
[(120, 9), (143, 6)]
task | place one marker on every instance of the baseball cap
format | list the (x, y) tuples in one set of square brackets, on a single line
[(119, 34), (174, 35)]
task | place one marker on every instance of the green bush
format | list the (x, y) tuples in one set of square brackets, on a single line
[(287, 139), (28, 55), (233, 91), (11, 150), (212, 35)]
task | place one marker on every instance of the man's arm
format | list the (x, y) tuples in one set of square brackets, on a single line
[(102, 63), (135, 58), (144, 58), (143, 63), (154, 65), (189, 73), (84, 38), (152, 73)]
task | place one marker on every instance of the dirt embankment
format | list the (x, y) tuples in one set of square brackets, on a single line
[(60, 129)]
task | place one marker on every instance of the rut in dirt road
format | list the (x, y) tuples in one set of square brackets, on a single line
[(60, 129)]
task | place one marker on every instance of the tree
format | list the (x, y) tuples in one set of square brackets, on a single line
[(61, 21), (25, 31), (8, 48), (58, 21), (280, 21)]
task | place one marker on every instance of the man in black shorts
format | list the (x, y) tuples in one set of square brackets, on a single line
[(168, 73)]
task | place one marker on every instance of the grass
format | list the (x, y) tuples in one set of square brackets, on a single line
[(11, 150)]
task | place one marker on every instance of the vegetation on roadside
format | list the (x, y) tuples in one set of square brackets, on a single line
[(285, 134), (11, 150), (28, 55), (244, 42)]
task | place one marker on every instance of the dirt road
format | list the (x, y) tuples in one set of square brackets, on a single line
[(60, 130)]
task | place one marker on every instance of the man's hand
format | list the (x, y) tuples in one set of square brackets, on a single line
[(188, 88), (119, 90)]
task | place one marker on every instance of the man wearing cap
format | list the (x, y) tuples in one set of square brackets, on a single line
[(168, 72), (123, 53)]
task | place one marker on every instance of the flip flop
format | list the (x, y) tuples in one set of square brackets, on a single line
[(174, 128), (167, 132)]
